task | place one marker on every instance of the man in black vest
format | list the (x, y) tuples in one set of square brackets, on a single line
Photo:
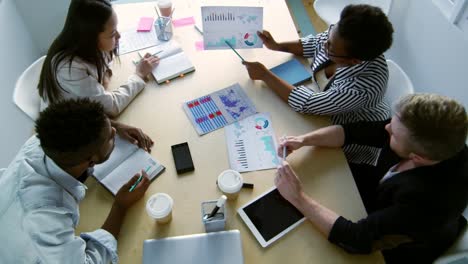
[(420, 186)]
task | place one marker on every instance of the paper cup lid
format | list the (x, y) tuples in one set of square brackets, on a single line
[(230, 181), (164, 3), (159, 205)]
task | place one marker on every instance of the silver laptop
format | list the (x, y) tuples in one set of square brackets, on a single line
[(207, 248)]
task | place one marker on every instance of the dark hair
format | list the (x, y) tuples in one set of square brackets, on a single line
[(70, 131), (79, 38), (366, 30)]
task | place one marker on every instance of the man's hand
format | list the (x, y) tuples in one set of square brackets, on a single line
[(290, 187), (124, 198), (133, 135), (257, 71), (291, 143), (268, 40), (288, 184)]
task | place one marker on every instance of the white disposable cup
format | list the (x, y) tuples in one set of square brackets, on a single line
[(165, 7), (159, 206), (230, 183)]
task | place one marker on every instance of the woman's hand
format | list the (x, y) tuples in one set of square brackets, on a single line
[(146, 65), (268, 40)]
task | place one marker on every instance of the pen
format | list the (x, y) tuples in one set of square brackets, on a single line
[(157, 13), (248, 185), (154, 54), (139, 180), (157, 52), (172, 12), (219, 204), (284, 148), (198, 29), (234, 50)]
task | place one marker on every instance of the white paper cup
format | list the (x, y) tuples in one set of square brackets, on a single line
[(165, 7), (230, 183), (159, 207)]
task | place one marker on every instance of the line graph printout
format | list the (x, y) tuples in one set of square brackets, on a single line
[(234, 24), (251, 144), (218, 109)]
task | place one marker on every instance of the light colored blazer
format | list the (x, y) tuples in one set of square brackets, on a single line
[(80, 79)]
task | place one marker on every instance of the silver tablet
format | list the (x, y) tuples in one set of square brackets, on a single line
[(270, 216)]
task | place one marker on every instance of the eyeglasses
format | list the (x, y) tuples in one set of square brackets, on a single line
[(325, 46)]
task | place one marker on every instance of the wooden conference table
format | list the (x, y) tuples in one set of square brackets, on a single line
[(157, 110)]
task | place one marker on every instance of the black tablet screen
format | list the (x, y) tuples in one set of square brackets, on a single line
[(271, 214)]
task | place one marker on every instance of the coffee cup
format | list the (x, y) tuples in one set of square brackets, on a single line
[(165, 7), (159, 207), (230, 183)]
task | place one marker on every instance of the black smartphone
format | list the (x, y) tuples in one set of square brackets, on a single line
[(182, 158)]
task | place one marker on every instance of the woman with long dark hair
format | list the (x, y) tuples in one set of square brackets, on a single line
[(78, 61)]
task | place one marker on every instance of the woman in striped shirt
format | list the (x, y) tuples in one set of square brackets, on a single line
[(349, 68)]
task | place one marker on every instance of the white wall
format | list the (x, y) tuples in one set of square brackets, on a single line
[(430, 50), (17, 52), (44, 19)]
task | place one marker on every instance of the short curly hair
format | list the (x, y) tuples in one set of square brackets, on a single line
[(366, 30), (70, 131), (437, 124)]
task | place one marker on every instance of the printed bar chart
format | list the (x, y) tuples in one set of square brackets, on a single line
[(220, 17)]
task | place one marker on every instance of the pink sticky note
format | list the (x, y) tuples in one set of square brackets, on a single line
[(199, 45), (145, 24), (183, 21)]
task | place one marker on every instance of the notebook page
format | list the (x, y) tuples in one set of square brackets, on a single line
[(140, 160), (122, 150), (164, 50), (172, 66)]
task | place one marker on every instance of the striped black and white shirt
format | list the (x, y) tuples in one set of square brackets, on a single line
[(353, 94)]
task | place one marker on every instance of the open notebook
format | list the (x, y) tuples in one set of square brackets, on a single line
[(174, 62), (124, 162)]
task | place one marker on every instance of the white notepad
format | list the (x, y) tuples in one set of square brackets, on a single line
[(125, 161), (174, 62)]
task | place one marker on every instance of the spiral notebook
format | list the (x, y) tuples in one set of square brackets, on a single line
[(125, 161), (174, 62)]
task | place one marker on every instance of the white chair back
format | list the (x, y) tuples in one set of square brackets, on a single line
[(459, 250), (26, 95), (330, 10), (399, 84)]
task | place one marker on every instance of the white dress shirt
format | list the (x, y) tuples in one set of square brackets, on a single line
[(39, 210), (80, 79)]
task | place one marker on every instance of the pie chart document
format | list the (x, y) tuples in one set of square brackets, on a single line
[(251, 144), (233, 24)]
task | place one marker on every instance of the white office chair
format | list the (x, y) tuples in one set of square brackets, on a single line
[(399, 84), (330, 10), (459, 250), (25, 95)]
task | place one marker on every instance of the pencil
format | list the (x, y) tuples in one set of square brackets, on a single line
[(138, 180), (234, 50), (157, 12)]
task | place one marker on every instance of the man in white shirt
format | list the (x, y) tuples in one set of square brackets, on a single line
[(43, 186)]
